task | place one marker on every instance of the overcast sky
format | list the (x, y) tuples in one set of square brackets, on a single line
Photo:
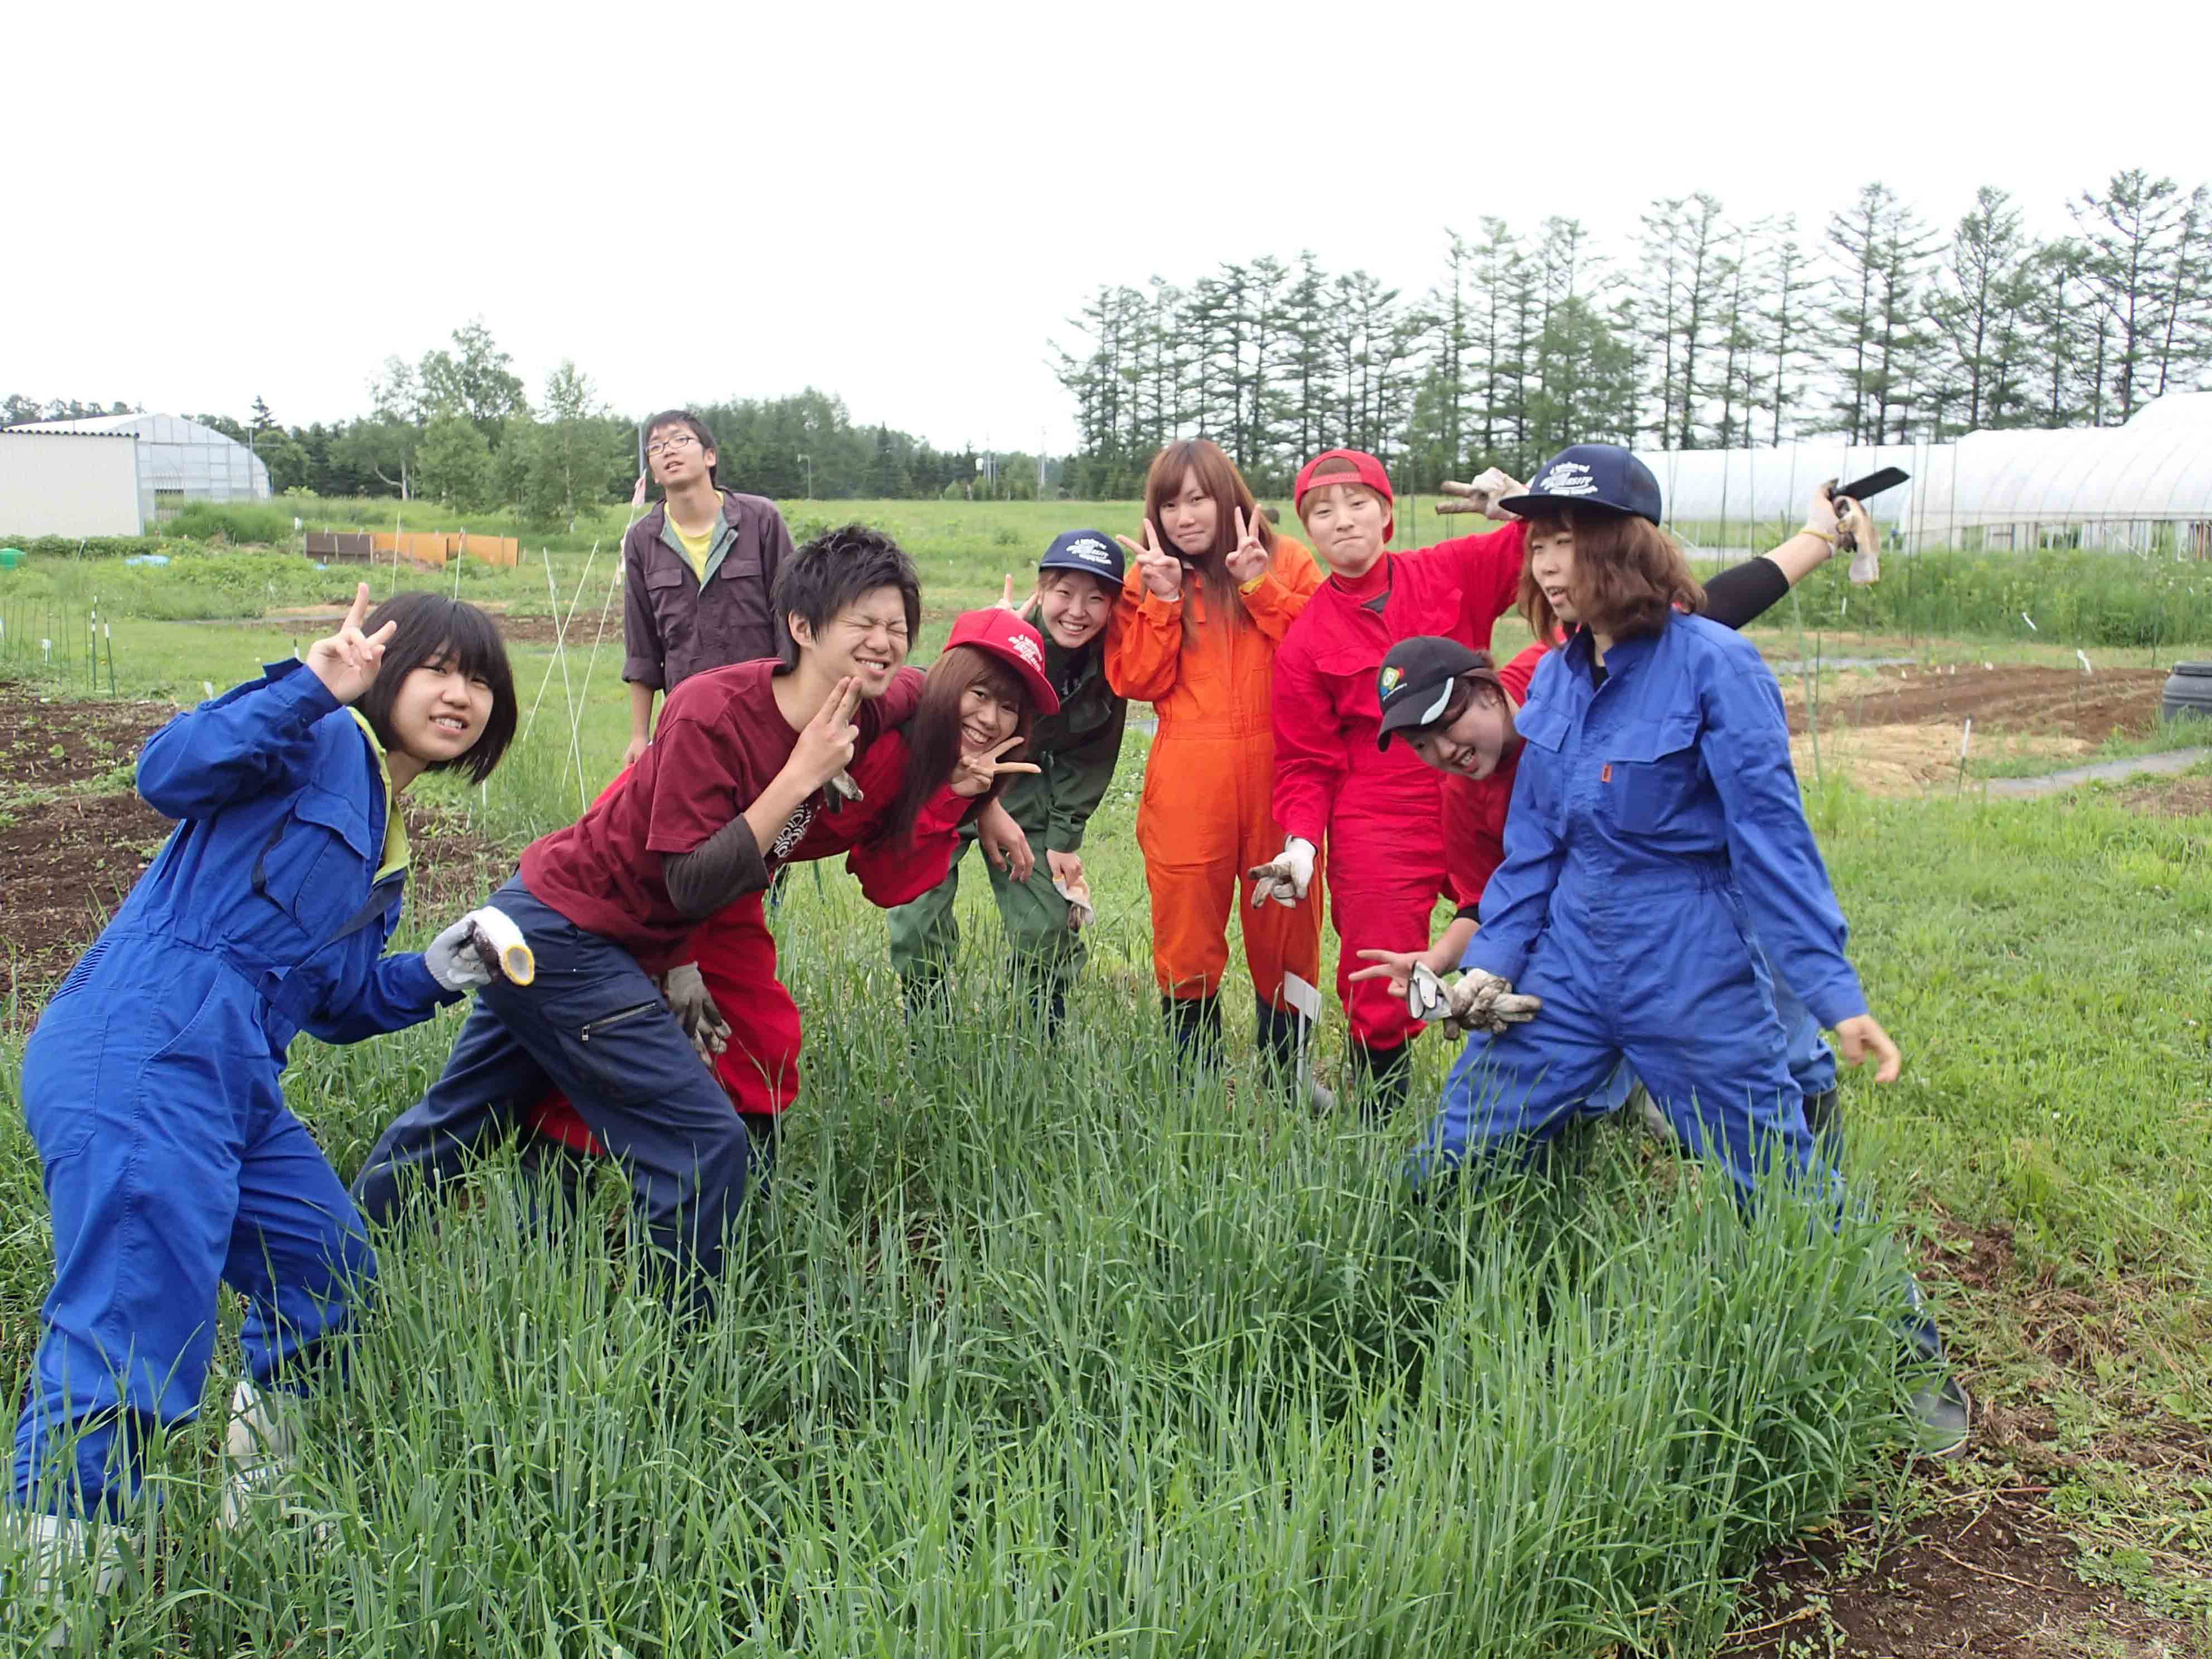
[(904, 204)]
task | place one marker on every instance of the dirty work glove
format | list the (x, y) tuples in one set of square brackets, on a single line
[(694, 1007), (1481, 497), (841, 789), (1287, 880), (1857, 536), (1482, 1002), (459, 959)]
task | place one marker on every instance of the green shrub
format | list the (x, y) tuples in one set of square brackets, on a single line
[(88, 547), (233, 521)]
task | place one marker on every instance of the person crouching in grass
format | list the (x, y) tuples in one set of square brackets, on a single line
[(731, 785), (1075, 749), (922, 785)]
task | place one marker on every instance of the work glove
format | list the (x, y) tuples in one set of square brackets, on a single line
[(1856, 535), (1481, 497), (693, 1004), (482, 946), (1425, 994), (841, 789), (1287, 880), (1479, 1001)]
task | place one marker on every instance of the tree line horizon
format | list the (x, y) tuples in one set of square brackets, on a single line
[(1720, 334)]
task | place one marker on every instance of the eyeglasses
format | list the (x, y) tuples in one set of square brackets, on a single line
[(663, 446)]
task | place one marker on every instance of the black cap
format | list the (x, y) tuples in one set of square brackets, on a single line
[(1415, 682), (1084, 549), (1603, 476)]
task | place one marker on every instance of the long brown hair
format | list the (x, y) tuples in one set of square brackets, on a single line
[(934, 732), (1629, 576), (1218, 478)]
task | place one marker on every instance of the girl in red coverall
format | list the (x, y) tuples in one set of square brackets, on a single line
[(918, 784), (1379, 809)]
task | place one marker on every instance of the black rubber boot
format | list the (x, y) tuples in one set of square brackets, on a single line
[(1049, 997), (1824, 1117), (1195, 1023), (1380, 1077)]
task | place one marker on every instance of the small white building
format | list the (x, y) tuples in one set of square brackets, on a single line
[(69, 484), (179, 461)]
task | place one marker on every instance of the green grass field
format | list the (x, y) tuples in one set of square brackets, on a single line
[(1031, 1350)]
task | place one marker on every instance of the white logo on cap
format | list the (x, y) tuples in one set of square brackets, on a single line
[(1026, 647), (1567, 479), (1093, 551)]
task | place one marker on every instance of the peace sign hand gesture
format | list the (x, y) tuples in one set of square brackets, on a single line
[(1161, 570), (346, 663), (1247, 561), (825, 748), (975, 774)]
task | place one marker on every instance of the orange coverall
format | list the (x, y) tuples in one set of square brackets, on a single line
[(1205, 816)]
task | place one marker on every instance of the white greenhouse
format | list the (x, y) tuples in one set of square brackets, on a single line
[(2145, 487), (179, 461)]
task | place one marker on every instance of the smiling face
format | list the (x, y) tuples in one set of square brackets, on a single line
[(866, 640), (675, 456), (440, 711), (1471, 744), (1073, 606), (1552, 563), (1345, 523), (1189, 518), (990, 712)]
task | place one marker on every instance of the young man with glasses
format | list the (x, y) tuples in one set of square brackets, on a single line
[(696, 573)]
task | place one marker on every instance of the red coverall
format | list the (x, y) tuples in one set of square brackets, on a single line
[(736, 952), (1380, 810), (1205, 818)]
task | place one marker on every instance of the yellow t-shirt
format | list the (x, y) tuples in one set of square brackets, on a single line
[(395, 853), (696, 548)]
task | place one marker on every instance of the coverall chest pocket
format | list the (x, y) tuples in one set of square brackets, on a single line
[(1655, 767), (311, 862), (1543, 730), (668, 596)]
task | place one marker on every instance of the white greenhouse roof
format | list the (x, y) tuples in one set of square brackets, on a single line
[(177, 457), (2156, 469)]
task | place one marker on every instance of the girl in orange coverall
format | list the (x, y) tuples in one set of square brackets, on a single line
[(1211, 590)]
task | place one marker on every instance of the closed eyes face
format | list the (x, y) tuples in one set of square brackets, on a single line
[(1471, 746), (866, 641), (1345, 523)]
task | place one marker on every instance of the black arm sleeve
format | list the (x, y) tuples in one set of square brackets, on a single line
[(1469, 913), (724, 867), (1744, 591)]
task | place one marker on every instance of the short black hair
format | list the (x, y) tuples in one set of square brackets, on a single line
[(831, 571), (684, 418), (434, 628)]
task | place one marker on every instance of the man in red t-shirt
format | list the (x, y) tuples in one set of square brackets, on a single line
[(729, 788)]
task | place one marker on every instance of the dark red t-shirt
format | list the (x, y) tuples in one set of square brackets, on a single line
[(720, 742)]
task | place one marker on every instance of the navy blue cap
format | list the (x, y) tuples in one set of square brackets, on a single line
[(1093, 551), (1603, 476)]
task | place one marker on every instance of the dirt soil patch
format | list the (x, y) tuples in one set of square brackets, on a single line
[(2170, 797), (2062, 702), (604, 628), (1983, 1573), (50, 742)]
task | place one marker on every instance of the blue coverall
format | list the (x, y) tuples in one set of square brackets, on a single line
[(152, 1084), (1656, 833)]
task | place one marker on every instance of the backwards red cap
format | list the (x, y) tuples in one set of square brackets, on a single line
[(1013, 643), (1366, 470)]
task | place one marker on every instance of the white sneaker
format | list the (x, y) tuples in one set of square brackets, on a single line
[(42, 1557), (257, 1450)]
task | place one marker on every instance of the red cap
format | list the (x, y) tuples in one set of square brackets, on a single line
[(1013, 643), (1366, 470)]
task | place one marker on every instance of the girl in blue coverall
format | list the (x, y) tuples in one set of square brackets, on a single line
[(1655, 832), (152, 1082)]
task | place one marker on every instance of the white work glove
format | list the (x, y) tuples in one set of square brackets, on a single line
[(1481, 497), (1861, 539), (1287, 880), (457, 959), (1479, 1001), (692, 1003)]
